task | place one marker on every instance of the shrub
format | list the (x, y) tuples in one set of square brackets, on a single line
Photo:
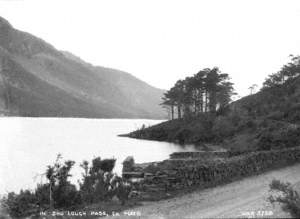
[(107, 165), (223, 127), (94, 187), (42, 195), (20, 205), (280, 138), (66, 196), (118, 187), (63, 193), (98, 184), (288, 197)]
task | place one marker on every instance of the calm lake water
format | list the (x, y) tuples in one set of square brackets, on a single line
[(28, 145)]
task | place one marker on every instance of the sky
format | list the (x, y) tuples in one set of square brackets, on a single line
[(161, 41)]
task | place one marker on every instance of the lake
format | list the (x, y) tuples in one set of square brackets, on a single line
[(28, 145)]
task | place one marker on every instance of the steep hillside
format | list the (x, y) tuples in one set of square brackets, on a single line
[(38, 80), (148, 98), (269, 119)]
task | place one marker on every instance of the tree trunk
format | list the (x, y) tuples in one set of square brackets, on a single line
[(201, 102), (206, 101), (179, 112), (51, 203), (212, 101)]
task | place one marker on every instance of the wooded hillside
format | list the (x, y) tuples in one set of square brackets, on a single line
[(269, 119)]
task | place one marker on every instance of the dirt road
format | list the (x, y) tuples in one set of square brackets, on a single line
[(244, 198)]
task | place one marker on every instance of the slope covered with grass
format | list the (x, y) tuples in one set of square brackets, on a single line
[(38, 80), (269, 119)]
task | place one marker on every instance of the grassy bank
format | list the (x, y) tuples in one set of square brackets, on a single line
[(269, 119)]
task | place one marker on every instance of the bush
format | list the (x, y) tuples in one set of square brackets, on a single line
[(20, 205), (223, 127), (288, 197), (118, 187), (66, 196), (42, 195), (99, 183), (280, 138), (63, 193), (107, 165)]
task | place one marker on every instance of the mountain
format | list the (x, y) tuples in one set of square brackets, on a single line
[(36, 80)]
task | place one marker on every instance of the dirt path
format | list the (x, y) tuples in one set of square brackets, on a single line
[(244, 198)]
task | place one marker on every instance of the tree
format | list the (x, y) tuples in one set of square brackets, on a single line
[(179, 96), (169, 101), (287, 72), (252, 88), (211, 82), (225, 93), (206, 91), (61, 191), (199, 79)]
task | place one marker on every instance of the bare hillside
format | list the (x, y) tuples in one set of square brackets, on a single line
[(38, 80)]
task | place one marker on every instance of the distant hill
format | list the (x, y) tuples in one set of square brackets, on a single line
[(39, 81)]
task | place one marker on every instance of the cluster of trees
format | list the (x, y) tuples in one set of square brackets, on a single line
[(287, 72), (210, 90), (206, 91), (98, 184)]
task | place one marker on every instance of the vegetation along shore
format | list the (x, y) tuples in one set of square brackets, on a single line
[(203, 114)]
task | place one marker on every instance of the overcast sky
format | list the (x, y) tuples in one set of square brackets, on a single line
[(161, 41)]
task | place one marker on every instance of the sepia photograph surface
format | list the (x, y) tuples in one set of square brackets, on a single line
[(149, 109)]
